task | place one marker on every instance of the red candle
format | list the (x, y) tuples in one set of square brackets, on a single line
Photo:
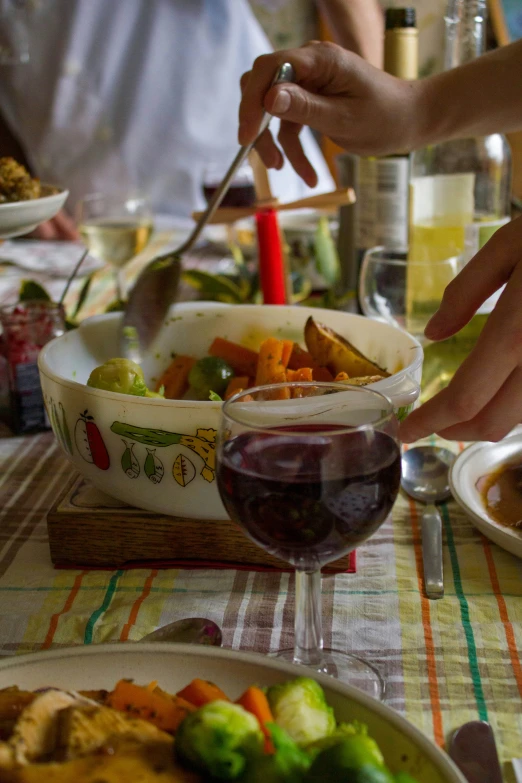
[(271, 261)]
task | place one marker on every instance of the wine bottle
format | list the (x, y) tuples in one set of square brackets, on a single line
[(382, 188), (459, 196)]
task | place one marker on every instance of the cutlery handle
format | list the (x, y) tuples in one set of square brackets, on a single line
[(285, 73), (431, 526)]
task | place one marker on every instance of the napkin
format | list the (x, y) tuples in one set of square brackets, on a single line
[(56, 259)]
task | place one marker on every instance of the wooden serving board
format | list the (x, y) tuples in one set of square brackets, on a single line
[(88, 529)]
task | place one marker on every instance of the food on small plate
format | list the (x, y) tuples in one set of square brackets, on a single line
[(16, 184), (231, 368), (501, 492), (286, 733)]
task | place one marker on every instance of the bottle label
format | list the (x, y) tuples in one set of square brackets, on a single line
[(382, 197)]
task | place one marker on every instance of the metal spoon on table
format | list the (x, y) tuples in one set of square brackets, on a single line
[(425, 477), (191, 630), (474, 751), (157, 285)]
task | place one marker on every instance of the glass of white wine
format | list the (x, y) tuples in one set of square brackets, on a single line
[(115, 228), (406, 293)]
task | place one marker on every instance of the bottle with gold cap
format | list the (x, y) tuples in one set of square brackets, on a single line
[(382, 186)]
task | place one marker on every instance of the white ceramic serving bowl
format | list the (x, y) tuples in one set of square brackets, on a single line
[(21, 217), (404, 747), (112, 439)]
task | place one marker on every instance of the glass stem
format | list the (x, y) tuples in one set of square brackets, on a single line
[(308, 629), (119, 285)]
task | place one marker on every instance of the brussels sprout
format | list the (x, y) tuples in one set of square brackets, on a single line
[(209, 374), (351, 760), (287, 765), (218, 738), (300, 707), (359, 749), (119, 375)]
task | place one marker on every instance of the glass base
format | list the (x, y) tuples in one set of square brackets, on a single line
[(346, 668)]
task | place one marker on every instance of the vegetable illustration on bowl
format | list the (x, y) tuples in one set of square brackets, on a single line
[(183, 470), (154, 469), (89, 442), (202, 443), (129, 461)]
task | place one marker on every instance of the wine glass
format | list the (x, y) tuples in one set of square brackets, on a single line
[(309, 471), (403, 291), (115, 228), (406, 293)]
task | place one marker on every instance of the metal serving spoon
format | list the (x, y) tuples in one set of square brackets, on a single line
[(474, 751), (157, 285), (192, 630), (425, 478)]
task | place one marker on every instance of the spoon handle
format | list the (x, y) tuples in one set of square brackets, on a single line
[(431, 525), (285, 73)]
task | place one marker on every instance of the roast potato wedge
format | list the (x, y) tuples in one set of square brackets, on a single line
[(331, 350)]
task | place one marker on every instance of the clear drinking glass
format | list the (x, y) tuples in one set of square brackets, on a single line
[(115, 228), (309, 471), (406, 293)]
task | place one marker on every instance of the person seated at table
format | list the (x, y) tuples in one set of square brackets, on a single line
[(144, 92), (369, 112)]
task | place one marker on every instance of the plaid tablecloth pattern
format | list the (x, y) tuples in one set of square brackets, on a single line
[(445, 661)]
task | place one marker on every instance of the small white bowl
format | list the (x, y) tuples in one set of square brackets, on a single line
[(472, 464), (159, 454), (21, 217)]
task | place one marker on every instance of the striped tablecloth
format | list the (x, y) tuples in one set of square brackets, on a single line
[(445, 661)]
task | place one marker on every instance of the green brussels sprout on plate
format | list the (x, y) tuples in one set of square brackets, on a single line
[(354, 759), (300, 707), (287, 765), (119, 375), (210, 374), (218, 738)]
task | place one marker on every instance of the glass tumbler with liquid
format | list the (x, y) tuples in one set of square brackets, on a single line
[(115, 228)]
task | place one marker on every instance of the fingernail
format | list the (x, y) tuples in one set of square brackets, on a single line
[(434, 325), (282, 102)]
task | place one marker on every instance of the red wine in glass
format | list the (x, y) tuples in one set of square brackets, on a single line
[(309, 499)]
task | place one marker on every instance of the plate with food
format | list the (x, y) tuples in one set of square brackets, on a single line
[(147, 435), (186, 714), (486, 481), (25, 202)]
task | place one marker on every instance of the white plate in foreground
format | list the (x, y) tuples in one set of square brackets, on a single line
[(474, 462), (404, 747), (20, 217)]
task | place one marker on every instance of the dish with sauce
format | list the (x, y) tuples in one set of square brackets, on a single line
[(487, 492)]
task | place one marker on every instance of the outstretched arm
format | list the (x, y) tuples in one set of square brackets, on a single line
[(369, 112), (357, 25)]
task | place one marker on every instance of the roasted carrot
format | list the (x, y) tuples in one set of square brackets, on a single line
[(242, 360), (270, 362), (305, 374), (286, 352), (236, 384), (175, 378), (254, 700), (200, 692), (300, 358), (165, 712), (342, 376), (322, 374)]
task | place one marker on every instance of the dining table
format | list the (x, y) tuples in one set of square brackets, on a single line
[(444, 661)]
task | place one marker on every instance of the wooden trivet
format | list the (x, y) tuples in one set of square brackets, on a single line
[(88, 529)]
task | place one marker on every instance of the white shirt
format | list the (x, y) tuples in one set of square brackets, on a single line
[(138, 92)]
